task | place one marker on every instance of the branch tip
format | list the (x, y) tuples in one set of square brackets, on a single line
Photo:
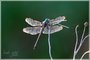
[(86, 24)]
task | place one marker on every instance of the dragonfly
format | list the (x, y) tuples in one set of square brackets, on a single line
[(38, 27)]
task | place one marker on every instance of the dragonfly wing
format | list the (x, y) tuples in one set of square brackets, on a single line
[(33, 22), (32, 30), (57, 20), (53, 29)]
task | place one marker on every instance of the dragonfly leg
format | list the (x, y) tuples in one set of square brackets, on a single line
[(37, 39), (64, 26)]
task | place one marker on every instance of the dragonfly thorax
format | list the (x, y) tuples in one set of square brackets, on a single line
[(46, 22)]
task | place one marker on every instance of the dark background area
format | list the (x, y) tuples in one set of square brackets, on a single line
[(17, 44)]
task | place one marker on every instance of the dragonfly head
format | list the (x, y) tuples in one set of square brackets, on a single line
[(46, 20)]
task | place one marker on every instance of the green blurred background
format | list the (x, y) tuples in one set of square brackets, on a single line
[(17, 44)]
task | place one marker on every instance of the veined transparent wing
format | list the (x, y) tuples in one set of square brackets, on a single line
[(33, 22), (32, 30), (57, 20), (53, 29)]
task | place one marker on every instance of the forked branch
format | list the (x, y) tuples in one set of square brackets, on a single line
[(77, 48)]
